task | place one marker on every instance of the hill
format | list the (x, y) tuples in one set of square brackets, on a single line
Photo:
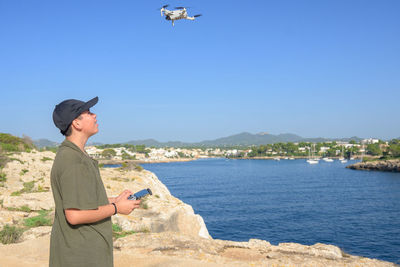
[(41, 143), (12, 143), (242, 139)]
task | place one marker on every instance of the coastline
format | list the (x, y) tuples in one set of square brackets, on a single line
[(117, 161), (112, 161), (377, 165), (167, 230)]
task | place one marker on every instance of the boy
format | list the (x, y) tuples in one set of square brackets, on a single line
[(82, 229)]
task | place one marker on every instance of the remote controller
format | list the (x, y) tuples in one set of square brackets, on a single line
[(140, 194)]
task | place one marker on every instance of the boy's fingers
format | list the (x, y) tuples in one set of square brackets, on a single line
[(127, 192)]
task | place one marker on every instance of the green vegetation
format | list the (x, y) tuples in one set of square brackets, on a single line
[(108, 153), (23, 171), (394, 148), (118, 179), (49, 148), (3, 160), (133, 148), (44, 159), (182, 155), (10, 234), (374, 149), (20, 161), (3, 177), (118, 233), (28, 188), (23, 208), (42, 219), (381, 149), (138, 168), (12, 143)]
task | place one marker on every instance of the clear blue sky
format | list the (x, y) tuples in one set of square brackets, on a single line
[(310, 67)]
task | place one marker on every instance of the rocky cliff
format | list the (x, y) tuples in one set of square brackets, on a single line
[(163, 232), (377, 165)]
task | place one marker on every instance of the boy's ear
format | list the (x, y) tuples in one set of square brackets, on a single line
[(76, 124)]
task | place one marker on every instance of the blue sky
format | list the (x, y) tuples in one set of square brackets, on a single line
[(314, 68)]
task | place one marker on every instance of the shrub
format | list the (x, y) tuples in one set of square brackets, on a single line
[(20, 161), (13, 143), (23, 208), (28, 188), (23, 171), (3, 160), (118, 233), (108, 153), (10, 234), (46, 159), (138, 168), (41, 220), (3, 177)]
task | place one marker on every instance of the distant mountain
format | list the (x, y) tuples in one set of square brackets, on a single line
[(155, 143), (45, 143), (242, 139), (247, 139)]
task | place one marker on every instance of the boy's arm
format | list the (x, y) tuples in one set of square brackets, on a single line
[(123, 205), (75, 216)]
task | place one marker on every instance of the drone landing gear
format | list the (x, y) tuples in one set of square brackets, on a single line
[(173, 23)]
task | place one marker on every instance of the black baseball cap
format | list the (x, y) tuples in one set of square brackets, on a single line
[(68, 110)]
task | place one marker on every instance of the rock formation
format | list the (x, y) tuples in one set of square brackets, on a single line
[(167, 231), (377, 165)]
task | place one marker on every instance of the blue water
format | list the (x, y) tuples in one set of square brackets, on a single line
[(292, 201), (112, 165)]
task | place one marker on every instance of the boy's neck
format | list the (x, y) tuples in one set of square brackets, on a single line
[(78, 140)]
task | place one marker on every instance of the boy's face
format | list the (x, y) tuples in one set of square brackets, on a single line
[(89, 123)]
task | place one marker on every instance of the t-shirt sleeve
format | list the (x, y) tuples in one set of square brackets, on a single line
[(78, 188)]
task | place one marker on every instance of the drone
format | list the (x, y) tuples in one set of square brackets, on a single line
[(179, 13)]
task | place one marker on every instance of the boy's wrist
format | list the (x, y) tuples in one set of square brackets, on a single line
[(115, 208)]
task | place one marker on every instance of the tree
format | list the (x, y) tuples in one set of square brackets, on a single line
[(374, 149), (394, 148), (108, 153)]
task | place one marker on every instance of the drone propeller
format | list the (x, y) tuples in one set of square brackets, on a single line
[(164, 6), (198, 15), (179, 7)]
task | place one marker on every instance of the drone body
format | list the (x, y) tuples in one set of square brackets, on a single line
[(179, 13)]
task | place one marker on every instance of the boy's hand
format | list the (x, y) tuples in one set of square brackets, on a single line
[(123, 195), (124, 205)]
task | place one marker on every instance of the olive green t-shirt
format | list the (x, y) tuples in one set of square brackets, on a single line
[(76, 183)]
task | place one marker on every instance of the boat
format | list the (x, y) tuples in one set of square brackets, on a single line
[(291, 158), (327, 159), (277, 158), (342, 159), (311, 159)]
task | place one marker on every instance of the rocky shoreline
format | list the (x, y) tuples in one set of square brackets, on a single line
[(377, 165), (167, 232)]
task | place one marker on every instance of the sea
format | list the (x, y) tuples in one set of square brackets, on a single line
[(292, 201)]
